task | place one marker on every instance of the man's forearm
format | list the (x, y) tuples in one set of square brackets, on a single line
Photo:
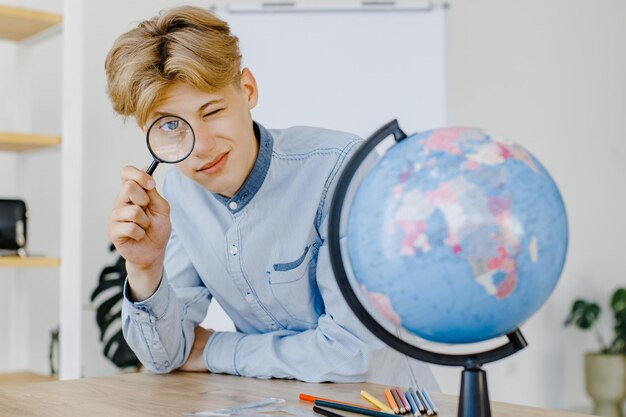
[(143, 282), (155, 330)]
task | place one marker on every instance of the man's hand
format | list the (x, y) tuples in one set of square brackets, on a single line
[(139, 227), (195, 361)]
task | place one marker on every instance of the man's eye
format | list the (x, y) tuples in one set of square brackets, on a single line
[(212, 113), (170, 125)]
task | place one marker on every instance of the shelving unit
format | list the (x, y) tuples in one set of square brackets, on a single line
[(28, 261), (17, 23), (29, 29), (19, 142)]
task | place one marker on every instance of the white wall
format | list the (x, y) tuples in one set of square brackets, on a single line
[(550, 76)]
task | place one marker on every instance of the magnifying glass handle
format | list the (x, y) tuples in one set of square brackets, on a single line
[(152, 167)]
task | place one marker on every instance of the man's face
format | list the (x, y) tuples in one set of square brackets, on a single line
[(226, 148)]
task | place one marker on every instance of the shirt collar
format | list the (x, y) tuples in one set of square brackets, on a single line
[(256, 177)]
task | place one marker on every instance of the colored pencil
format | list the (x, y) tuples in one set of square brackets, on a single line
[(420, 397), (326, 413), (358, 410), (312, 398), (407, 406), (391, 401), (421, 408), (429, 400), (369, 397), (416, 410), (398, 401)]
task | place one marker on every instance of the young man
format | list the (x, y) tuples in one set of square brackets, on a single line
[(243, 221)]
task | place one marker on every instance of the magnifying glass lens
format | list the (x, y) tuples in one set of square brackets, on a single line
[(170, 139)]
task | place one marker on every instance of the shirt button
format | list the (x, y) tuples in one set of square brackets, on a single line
[(249, 297), (232, 205), (234, 250)]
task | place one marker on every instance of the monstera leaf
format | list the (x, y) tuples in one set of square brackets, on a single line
[(108, 297), (618, 305), (584, 314)]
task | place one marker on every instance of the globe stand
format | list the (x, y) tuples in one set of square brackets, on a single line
[(474, 395)]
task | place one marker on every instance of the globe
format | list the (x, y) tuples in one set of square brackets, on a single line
[(456, 237)]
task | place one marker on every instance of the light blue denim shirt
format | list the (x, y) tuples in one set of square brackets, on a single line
[(263, 256)]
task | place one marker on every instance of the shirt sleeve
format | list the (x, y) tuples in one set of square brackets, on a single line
[(339, 349), (160, 329)]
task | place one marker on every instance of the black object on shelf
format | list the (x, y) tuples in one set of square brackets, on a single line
[(13, 219)]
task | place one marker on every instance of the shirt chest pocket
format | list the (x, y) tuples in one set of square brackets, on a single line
[(293, 287)]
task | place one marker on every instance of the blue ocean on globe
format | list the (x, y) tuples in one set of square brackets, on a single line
[(457, 237)]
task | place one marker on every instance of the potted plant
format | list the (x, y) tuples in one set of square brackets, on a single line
[(108, 297), (605, 370)]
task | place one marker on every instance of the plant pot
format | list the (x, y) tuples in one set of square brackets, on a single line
[(606, 383)]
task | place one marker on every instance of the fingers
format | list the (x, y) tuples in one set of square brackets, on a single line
[(157, 203), (121, 232), (130, 214), (133, 193), (139, 188), (138, 207), (135, 186), (130, 173)]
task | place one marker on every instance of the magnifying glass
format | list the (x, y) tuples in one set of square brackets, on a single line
[(170, 140)]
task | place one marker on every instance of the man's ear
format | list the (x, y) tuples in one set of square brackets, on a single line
[(248, 86)]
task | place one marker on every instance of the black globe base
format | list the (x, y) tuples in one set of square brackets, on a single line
[(474, 396)]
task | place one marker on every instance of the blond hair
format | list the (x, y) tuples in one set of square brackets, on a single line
[(187, 44)]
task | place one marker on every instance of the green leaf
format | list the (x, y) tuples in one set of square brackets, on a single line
[(618, 301), (619, 343), (583, 314)]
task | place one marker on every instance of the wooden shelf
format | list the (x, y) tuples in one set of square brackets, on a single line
[(28, 261), (17, 23), (18, 142), (18, 378)]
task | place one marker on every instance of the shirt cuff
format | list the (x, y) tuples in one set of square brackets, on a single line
[(221, 351), (156, 305)]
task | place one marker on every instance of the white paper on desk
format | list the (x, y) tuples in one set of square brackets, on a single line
[(261, 408)]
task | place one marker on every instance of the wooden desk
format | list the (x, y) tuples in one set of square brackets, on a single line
[(147, 394), (17, 378)]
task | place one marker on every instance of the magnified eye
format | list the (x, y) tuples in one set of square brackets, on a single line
[(170, 139), (170, 125)]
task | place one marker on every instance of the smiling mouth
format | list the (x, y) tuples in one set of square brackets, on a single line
[(214, 164)]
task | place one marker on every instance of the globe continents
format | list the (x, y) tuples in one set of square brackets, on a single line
[(456, 237)]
